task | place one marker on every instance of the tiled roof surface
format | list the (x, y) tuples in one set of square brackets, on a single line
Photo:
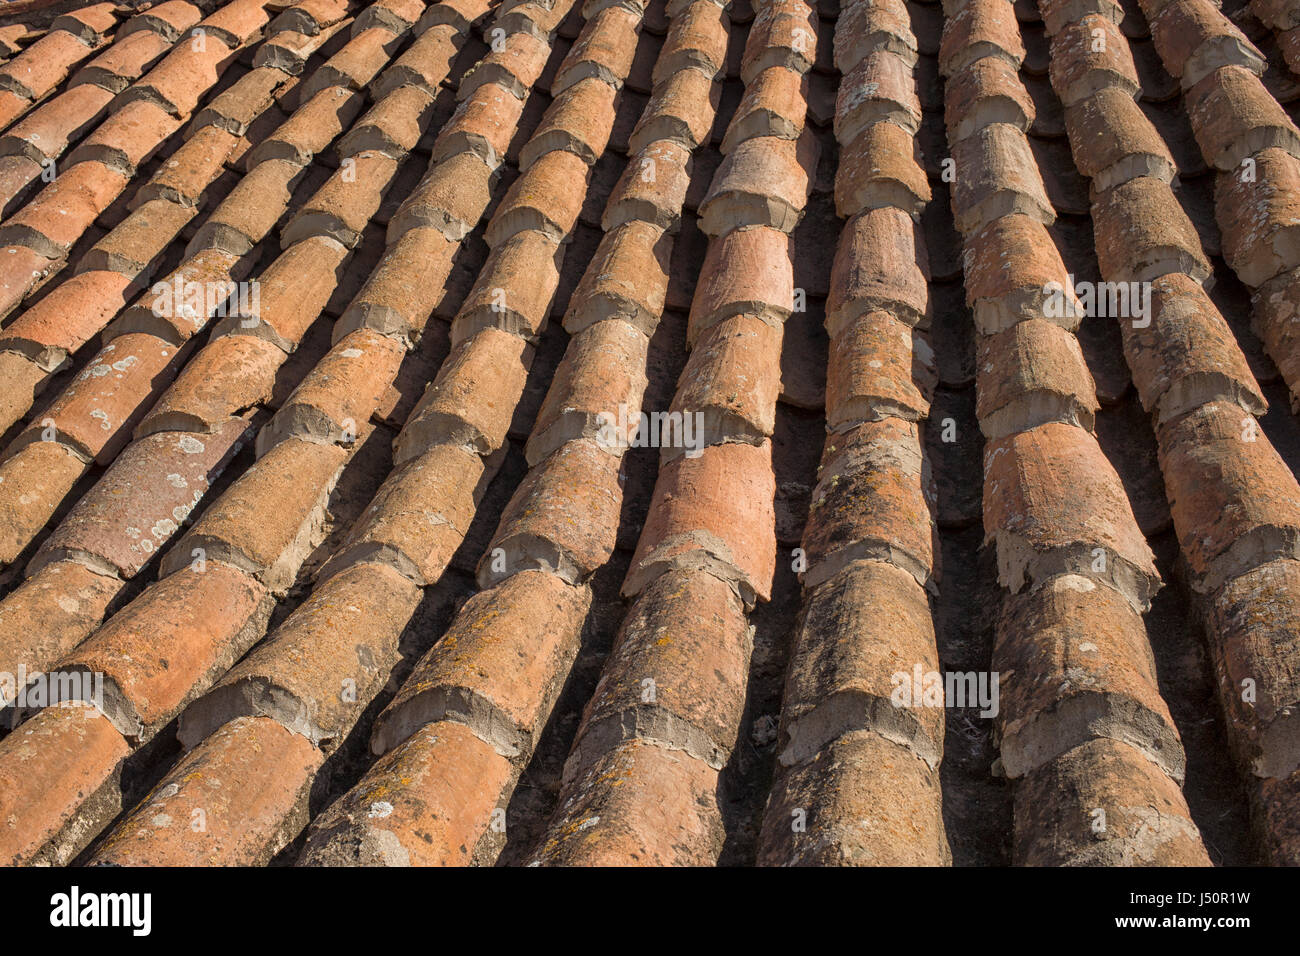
[(597, 433)]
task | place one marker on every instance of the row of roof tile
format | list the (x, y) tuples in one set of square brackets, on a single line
[(332, 160)]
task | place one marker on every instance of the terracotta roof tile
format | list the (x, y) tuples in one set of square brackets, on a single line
[(745, 271), (1278, 14), (762, 182), (652, 188), (470, 403), (353, 211), (12, 105), (1058, 14), (461, 14), (1096, 638), (451, 198), (344, 636), (236, 21), (342, 390), (989, 92), (166, 646), (312, 127), (627, 279), (980, 28), (638, 804), (37, 477), (603, 368), (699, 678), (404, 288), (1032, 373), (341, 209), (62, 212), (189, 170), (293, 291), (181, 78), (604, 51), (996, 177), (240, 825), (289, 52), (546, 198), (477, 674), (393, 15), (773, 105), (514, 290), (697, 38), (516, 65), (143, 499), (875, 371), (1237, 495), (129, 137), (425, 63), (249, 212), (881, 167), (1054, 802), (39, 69), (168, 19), (264, 522), (233, 372), (864, 26), (1258, 224), (783, 33), (1116, 142), (880, 263), (389, 531), (483, 125), (237, 107), (96, 412), (1251, 638), (840, 682), (711, 512), (354, 66), (1090, 55), (23, 378), (871, 501), (1273, 310), (1194, 39), (46, 133), (681, 109), (66, 319), (730, 382), (428, 802), (562, 518), (1277, 799), (879, 88), (579, 120), (1234, 117), (309, 17), (11, 38), (21, 269), (393, 126), (1035, 486), (50, 613), (1143, 233), (538, 18), (1187, 355), (125, 61), (1288, 45), (18, 177), (176, 306), (851, 814), (61, 784)]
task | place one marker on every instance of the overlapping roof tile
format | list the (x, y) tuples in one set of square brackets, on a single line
[(650, 433)]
